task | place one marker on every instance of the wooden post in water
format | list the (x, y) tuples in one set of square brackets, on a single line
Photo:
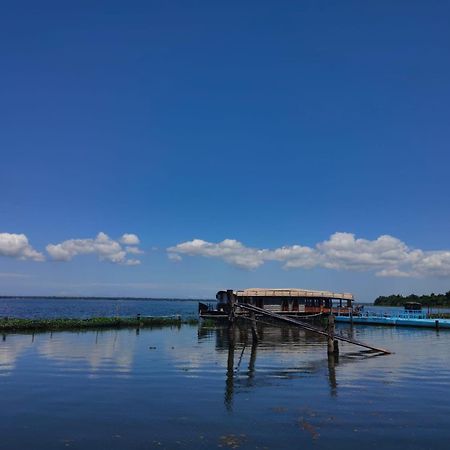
[(436, 323), (231, 345), (331, 333), (254, 329), (229, 383), (231, 317)]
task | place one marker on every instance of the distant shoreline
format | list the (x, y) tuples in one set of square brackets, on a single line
[(426, 300), (64, 297)]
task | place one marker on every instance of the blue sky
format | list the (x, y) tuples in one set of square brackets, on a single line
[(270, 124)]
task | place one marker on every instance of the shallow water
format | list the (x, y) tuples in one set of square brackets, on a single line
[(185, 388)]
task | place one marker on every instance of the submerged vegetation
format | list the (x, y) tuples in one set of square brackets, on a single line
[(12, 324), (426, 300)]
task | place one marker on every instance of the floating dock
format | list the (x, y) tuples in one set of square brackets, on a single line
[(401, 321)]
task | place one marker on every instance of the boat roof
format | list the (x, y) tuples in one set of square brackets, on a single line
[(294, 292)]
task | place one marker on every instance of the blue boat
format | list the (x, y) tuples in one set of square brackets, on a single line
[(412, 316)]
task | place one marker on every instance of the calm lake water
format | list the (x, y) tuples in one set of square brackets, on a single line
[(83, 308), (184, 388)]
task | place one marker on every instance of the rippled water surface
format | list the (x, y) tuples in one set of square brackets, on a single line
[(186, 388), (82, 307)]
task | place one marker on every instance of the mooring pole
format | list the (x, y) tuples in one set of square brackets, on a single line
[(229, 383), (254, 329), (331, 333), (231, 317)]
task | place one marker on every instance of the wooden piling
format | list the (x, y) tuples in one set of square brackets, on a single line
[(436, 323), (254, 329), (331, 333), (229, 383), (231, 317)]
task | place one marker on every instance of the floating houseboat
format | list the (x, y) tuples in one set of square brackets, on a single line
[(281, 301)]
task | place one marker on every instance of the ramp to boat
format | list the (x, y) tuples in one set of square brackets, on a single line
[(307, 326)]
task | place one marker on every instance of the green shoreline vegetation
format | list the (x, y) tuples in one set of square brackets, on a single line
[(62, 324), (426, 300)]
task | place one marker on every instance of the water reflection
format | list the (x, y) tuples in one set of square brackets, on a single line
[(11, 348), (333, 361), (277, 346), (283, 353), (163, 387), (111, 350)]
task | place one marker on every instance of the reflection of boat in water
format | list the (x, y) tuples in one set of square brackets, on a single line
[(411, 316), (296, 302), (283, 353)]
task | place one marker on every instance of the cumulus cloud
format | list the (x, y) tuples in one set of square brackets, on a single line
[(175, 257), (344, 251), (129, 239), (235, 253), (17, 246), (434, 263), (386, 255), (102, 245), (393, 273), (133, 250), (229, 250)]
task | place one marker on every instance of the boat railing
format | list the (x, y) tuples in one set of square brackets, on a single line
[(395, 315)]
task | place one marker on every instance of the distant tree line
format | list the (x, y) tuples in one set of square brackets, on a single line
[(426, 300)]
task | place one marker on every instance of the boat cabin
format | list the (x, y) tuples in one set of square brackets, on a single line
[(288, 301), (413, 306)]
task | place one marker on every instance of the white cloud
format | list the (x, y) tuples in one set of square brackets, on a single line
[(129, 239), (386, 255), (235, 253), (434, 263), (174, 257), (393, 273), (132, 262), (133, 250), (295, 256), (229, 250), (17, 246), (102, 245), (344, 251)]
